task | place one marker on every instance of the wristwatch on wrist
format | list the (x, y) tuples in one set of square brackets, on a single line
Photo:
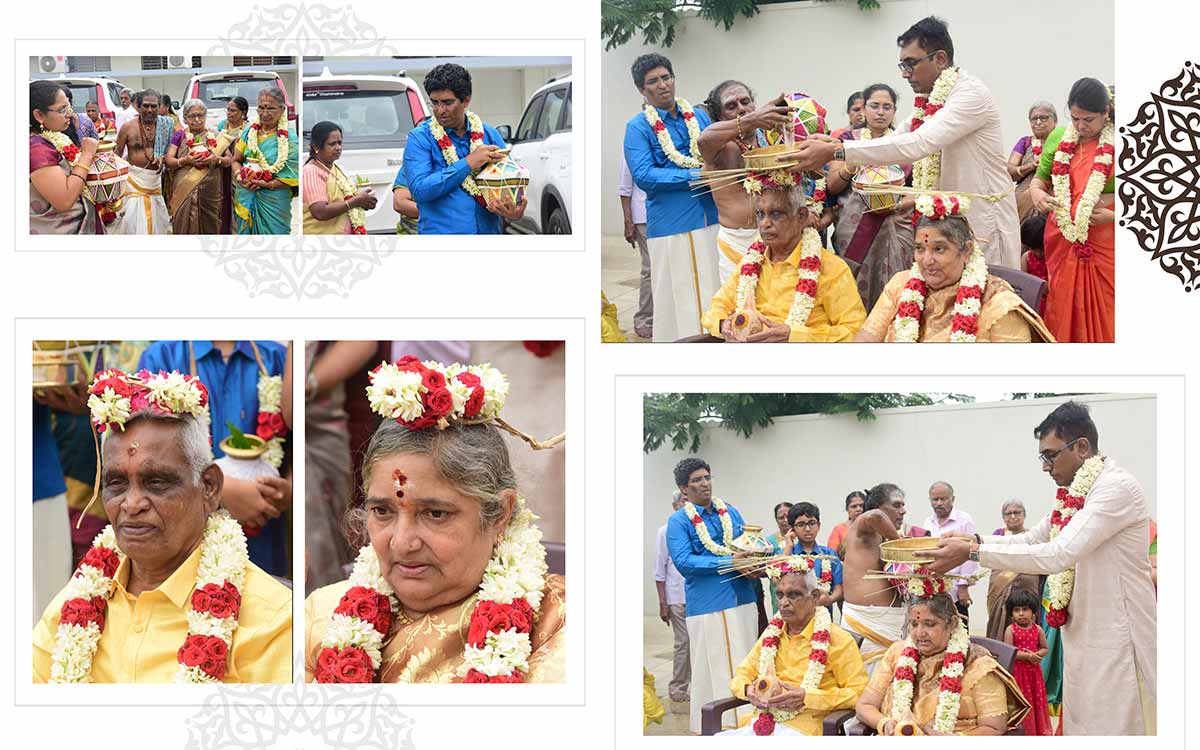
[(973, 555), (839, 154)]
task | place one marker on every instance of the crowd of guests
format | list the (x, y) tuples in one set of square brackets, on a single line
[(693, 242), (434, 191), (183, 177), (713, 612)]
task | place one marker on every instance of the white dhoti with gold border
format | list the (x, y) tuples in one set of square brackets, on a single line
[(143, 209), (718, 642), (732, 244), (879, 627), (684, 278)]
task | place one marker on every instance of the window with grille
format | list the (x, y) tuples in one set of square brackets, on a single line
[(248, 60), (84, 64)]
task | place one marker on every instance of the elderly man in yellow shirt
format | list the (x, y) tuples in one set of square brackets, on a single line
[(789, 287), (816, 666), (167, 592)]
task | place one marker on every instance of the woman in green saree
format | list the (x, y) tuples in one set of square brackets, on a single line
[(266, 174)]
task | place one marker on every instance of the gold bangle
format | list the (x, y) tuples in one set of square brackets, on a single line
[(879, 725)]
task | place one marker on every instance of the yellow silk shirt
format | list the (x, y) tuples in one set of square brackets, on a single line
[(836, 316), (844, 679), (142, 634)]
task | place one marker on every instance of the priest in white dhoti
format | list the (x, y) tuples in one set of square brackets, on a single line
[(681, 226), (722, 618), (1093, 548), (953, 140), (144, 140)]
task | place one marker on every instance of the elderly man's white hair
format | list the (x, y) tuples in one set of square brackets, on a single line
[(797, 199), (193, 438), (809, 578)]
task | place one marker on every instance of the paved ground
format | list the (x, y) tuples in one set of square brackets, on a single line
[(659, 642), (620, 273)]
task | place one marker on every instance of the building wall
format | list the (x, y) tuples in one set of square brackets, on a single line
[(986, 451), (830, 49), (499, 95)]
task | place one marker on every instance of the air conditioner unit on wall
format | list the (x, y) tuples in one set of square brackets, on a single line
[(50, 64), (180, 61)]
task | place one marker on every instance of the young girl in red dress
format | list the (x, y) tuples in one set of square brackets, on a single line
[(1030, 640)]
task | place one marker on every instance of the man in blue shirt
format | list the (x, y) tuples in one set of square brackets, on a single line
[(805, 520), (439, 184), (230, 371), (722, 614), (681, 226)]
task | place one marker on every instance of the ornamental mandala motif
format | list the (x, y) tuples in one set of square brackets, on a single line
[(1160, 176), (298, 717), (291, 266)]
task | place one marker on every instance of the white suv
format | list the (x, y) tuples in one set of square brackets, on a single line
[(543, 144), (376, 114), (216, 89), (106, 92)]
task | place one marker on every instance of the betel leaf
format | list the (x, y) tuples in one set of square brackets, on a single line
[(238, 439)]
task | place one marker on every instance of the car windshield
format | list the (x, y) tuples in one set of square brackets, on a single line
[(217, 93), (81, 94), (368, 119)]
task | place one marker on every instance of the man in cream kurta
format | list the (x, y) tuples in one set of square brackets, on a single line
[(1109, 640), (966, 131)]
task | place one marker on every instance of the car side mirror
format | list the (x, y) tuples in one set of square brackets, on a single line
[(505, 132)]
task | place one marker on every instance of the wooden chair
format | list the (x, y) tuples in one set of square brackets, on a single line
[(711, 713), (1028, 287), (1002, 652)]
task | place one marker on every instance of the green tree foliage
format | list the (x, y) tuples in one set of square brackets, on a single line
[(681, 417), (620, 20)]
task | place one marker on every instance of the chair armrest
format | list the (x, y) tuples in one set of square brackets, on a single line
[(834, 724), (710, 713), (859, 729)]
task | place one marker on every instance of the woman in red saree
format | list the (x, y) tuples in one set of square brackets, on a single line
[(1080, 261)]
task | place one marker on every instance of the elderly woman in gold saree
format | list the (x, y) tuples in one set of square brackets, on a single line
[(915, 683), (194, 157), (948, 294), (453, 584), (1001, 583)]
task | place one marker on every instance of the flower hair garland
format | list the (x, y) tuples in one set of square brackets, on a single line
[(694, 161), (818, 657), (721, 550), (1067, 503), (212, 620), (778, 568), (968, 299), (927, 173), (1075, 229), (498, 644), (949, 686), (475, 129), (114, 396), (426, 394)]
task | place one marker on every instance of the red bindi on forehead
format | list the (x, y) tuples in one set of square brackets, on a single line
[(398, 481)]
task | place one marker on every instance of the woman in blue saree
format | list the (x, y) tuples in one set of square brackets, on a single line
[(265, 183)]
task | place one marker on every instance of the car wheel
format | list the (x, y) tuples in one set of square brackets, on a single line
[(558, 223)]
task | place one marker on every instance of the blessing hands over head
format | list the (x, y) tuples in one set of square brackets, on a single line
[(771, 115)]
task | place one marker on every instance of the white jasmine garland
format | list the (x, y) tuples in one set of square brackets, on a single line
[(475, 140), (694, 161), (175, 393), (927, 172), (253, 151), (109, 407), (1060, 586), (1075, 228), (723, 549), (270, 397), (395, 394), (946, 713)]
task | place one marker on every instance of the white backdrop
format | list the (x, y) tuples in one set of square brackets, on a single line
[(828, 49), (985, 450)]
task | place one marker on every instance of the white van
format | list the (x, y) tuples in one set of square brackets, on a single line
[(376, 114), (543, 144), (216, 89)]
